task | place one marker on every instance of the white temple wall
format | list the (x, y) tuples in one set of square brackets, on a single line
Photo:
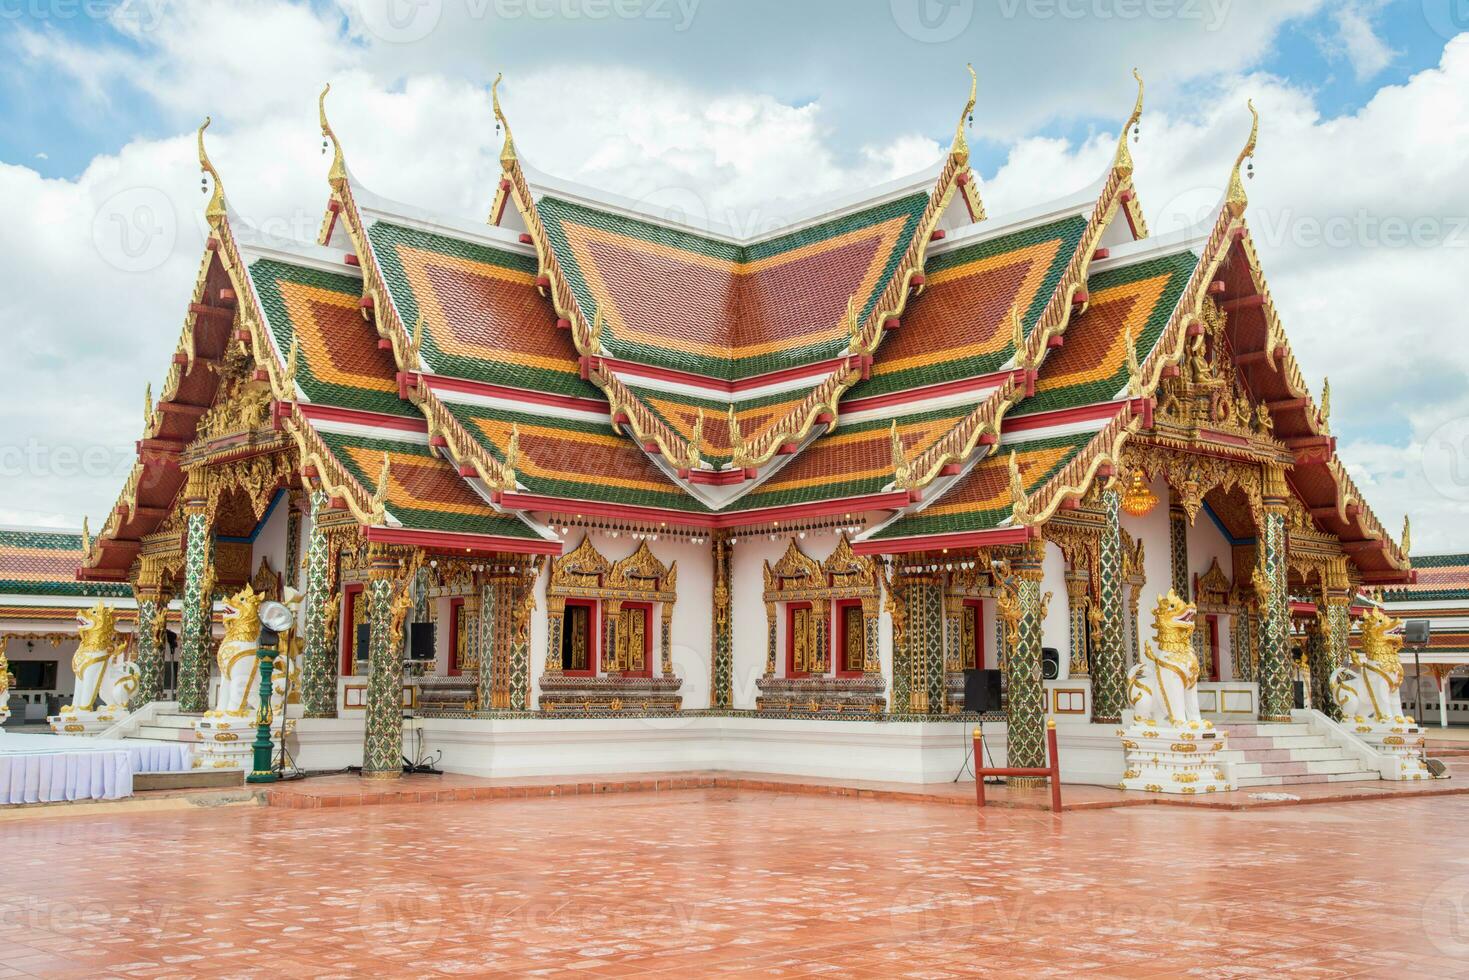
[(1056, 627), (1207, 544), (270, 541), (1152, 530), (747, 609)]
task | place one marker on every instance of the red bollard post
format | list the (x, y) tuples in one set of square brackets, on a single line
[(978, 769), (1055, 765)]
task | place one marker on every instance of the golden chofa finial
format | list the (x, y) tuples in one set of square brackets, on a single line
[(215, 210), (379, 503), (1237, 200), (902, 469), (507, 150), (329, 138), (148, 406), (1325, 400), (1122, 162), (1017, 338), (1019, 504), (960, 149), (1134, 369), (1407, 535), (86, 537)]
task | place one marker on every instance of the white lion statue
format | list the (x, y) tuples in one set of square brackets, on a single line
[(1164, 684), (104, 675), (1370, 687)]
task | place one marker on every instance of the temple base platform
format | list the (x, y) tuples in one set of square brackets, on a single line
[(89, 722), (1174, 759), (224, 741), (570, 695), (866, 695), (1398, 743)]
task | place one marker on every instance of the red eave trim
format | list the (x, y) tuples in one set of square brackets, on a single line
[(937, 542), (439, 382), (892, 500), (463, 542), (374, 420), (985, 381), (1063, 416), (825, 367)]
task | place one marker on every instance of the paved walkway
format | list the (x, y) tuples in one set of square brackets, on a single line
[(710, 881)]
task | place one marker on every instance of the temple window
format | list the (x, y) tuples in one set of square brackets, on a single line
[(355, 614), (849, 637), (579, 638)]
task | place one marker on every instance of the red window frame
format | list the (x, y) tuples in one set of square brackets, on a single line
[(839, 636), (594, 639), (647, 608), (346, 635), (790, 631), (456, 623)]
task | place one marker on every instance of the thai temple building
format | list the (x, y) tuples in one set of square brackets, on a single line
[(676, 498)]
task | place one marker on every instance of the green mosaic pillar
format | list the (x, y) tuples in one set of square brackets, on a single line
[(1336, 630), (1275, 667), (489, 609), (721, 688), (1317, 669), (1078, 582), (1025, 712), (522, 604), (1110, 667), (382, 747), (319, 659), (193, 681), (1244, 666)]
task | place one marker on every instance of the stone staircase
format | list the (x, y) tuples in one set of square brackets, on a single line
[(1282, 754), (168, 727)]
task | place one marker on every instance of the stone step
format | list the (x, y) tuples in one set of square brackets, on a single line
[(1309, 754), (1270, 729), (1252, 743), (176, 721), (159, 733), (1323, 767), (1359, 775), (189, 779)]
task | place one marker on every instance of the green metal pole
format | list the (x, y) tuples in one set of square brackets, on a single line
[(263, 771)]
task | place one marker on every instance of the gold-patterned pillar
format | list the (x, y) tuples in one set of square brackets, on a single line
[(555, 625), (1078, 584), (665, 641), (721, 649), (152, 596), (953, 633), (871, 662), (1336, 630), (770, 644), (612, 656)]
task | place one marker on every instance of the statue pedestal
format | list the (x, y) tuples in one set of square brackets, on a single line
[(1399, 741), (93, 722), (224, 742), (1170, 759)]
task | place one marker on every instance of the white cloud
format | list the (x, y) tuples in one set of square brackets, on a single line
[(1367, 53), (93, 303)]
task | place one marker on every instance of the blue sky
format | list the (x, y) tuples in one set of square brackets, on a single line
[(750, 105)]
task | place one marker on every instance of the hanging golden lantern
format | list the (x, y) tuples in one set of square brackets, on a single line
[(1138, 499)]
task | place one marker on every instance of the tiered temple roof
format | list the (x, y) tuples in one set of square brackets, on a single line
[(888, 352)]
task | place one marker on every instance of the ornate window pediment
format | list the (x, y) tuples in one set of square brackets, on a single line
[(581, 569)]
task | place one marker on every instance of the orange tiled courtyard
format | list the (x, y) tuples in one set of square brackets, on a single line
[(701, 881)]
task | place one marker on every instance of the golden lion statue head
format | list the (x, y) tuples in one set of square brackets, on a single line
[(1173, 622), (242, 615), (96, 627), (1382, 636)]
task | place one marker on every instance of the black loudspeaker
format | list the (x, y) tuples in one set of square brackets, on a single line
[(1050, 663), (364, 641), (421, 641), (1300, 687), (1415, 632), (981, 690)]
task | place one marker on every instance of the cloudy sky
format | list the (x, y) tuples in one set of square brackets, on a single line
[(741, 109)]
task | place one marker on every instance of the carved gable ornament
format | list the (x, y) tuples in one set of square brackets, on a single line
[(581, 569)]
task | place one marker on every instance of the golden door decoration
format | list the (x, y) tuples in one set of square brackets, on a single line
[(854, 638), (804, 656), (585, 574), (632, 641), (969, 637), (359, 618), (576, 653), (797, 577)]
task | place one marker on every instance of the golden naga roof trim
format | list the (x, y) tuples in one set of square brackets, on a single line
[(960, 148), (1407, 538), (1122, 160), (338, 171), (507, 149), (217, 207), (1019, 502), (1236, 199)]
